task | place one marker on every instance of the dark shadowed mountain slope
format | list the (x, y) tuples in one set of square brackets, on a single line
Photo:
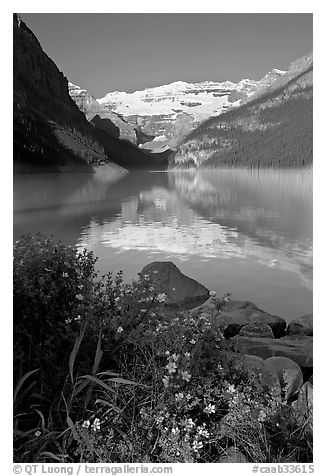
[(91, 108), (273, 130), (50, 132)]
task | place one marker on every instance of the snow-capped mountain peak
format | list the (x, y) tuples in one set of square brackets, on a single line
[(200, 100)]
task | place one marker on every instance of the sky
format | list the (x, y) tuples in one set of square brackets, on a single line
[(131, 51)]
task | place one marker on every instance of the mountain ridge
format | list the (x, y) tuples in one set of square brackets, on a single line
[(272, 129)]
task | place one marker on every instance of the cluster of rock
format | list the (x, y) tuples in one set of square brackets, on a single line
[(281, 353)]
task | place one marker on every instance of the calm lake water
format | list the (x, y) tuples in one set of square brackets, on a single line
[(246, 232)]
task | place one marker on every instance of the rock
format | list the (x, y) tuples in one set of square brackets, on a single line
[(297, 348), (234, 315), (180, 289), (232, 455), (257, 329), (208, 307), (268, 374), (289, 374), (230, 323), (301, 325), (254, 315)]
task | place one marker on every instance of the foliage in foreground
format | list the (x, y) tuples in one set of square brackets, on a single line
[(105, 372)]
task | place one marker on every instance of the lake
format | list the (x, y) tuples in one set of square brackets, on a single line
[(246, 232)]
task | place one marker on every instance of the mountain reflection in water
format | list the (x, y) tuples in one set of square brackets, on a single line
[(246, 232)]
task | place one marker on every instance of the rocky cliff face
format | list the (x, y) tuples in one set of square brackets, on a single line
[(274, 128), (50, 132), (120, 128)]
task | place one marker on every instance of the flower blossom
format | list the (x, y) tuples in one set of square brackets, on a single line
[(119, 330), (96, 424), (185, 375), (179, 396), (209, 409), (197, 445), (86, 424), (171, 367), (161, 297)]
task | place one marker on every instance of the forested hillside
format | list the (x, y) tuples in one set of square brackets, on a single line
[(273, 130)]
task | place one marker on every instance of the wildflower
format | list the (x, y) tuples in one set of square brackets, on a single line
[(155, 271), (167, 352), (117, 299), (171, 367), (175, 357), (231, 389), (212, 294), (190, 423), (151, 289), (143, 310), (78, 318), (38, 433), (165, 381), (96, 424), (161, 297), (262, 416), (197, 445), (203, 432), (179, 396), (65, 275), (146, 276), (86, 424), (226, 297), (193, 341), (209, 409), (187, 355), (119, 330), (80, 297), (185, 375), (175, 431), (68, 321), (159, 419)]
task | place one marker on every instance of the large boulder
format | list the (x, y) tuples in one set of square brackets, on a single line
[(297, 348), (301, 325), (181, 290), (289, 374), (257, 329), (234, 315), (232, 455), (254, 314), (268, 374)]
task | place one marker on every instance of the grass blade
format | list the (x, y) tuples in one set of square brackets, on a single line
[(74, 353), (21, 382)]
